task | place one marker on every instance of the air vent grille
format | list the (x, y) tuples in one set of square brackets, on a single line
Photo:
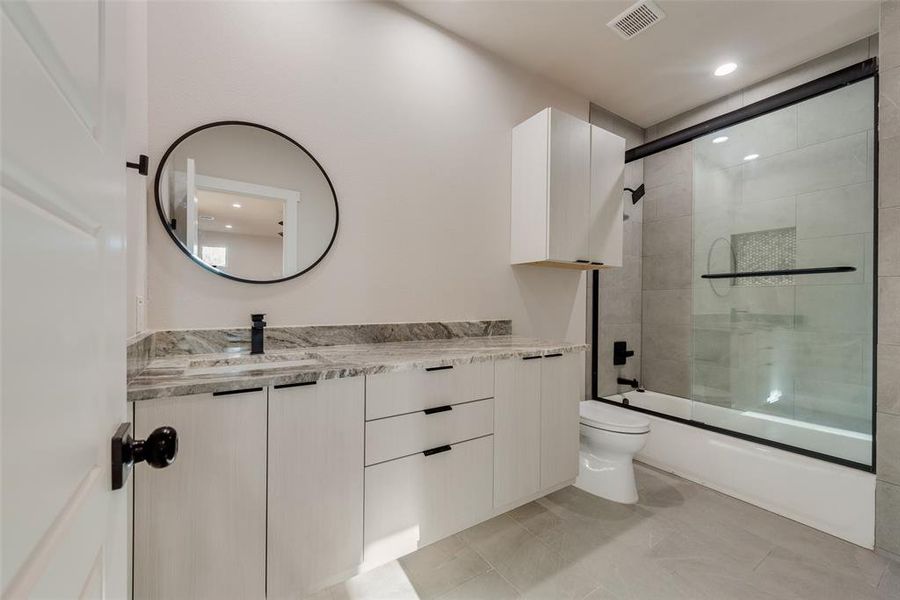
[(637, 19)]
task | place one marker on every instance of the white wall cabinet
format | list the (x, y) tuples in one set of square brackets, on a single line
[(315, 485), (200, 524), (565, 210)]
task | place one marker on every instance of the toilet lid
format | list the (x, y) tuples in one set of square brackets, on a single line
[(603, 416)]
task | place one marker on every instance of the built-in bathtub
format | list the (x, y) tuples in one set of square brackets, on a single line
[(811, 491)]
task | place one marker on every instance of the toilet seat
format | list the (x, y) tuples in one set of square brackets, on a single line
[(600, 416)]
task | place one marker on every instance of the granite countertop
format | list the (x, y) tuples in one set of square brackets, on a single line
[(203, 373)]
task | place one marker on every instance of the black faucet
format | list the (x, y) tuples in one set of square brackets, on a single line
[(257, 334), (632, 382)]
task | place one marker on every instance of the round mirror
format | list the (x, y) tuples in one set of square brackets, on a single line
[(246, 202)]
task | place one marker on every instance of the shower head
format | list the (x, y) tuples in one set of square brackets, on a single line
[(636, 194)]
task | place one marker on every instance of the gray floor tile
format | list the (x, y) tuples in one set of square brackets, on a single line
[(489, 586), (681, 541)]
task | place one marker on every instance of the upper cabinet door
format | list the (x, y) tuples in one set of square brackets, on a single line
[(567, 181), (607, 204), (569, 188)]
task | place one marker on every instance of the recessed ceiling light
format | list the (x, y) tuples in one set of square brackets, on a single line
[(236, 205), (720, 139), (725, 69), (751, 157), (228, 227)]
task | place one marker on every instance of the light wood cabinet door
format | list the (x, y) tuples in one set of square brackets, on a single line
[(316, 445), (200, 523), (562, 380), (419, 499), (517, 429), (569, 188), (607, 204)]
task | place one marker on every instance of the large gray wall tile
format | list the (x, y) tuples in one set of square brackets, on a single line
[(667, 306), (837, 114), (835, 211), (889, 242), (888, 447), (889, 103), (889, 310), (667, 376), (668, 201), (821, 166), (887, 516), (888, 379), (665, 341), (889, 172), (673, 165), (667, 237), (667, 272), (889, 40)]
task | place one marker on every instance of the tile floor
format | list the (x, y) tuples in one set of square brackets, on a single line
[(681, 541)]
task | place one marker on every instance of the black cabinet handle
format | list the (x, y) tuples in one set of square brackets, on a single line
[(531, 357), (290, 385), (583, 261), (443, 368), (554, 355), (437, 409), (159, 450), (229, 392), (437, 450)]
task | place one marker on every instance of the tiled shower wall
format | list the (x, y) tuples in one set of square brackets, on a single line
[(667, 271), (620, 289), (887, 490)]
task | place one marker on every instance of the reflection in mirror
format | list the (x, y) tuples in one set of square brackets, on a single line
[(246, 202)]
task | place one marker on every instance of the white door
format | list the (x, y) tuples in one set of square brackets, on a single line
[(62, 298)]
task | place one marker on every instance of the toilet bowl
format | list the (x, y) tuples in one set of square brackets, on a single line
[(610, 437)]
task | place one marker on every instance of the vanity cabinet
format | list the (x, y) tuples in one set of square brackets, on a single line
[(200, 524), (429, 456), (567, 193), (315, 485), (517, 429), (562, 380), (536, 400)]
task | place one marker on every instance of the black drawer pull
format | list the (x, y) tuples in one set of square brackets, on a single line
[(599, 264), (437, 409), (246, 391), (437, 450), (583, 261), (444, 368), (531, 357), (555, 354), (290, 385)]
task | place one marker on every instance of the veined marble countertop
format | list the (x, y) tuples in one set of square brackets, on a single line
[(203, 373)]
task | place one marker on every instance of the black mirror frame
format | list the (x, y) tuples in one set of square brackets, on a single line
[(210, 268)]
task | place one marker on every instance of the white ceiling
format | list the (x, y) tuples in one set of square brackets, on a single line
[(667, 69)]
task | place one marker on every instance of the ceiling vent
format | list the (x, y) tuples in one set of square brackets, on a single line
[(637, 19)]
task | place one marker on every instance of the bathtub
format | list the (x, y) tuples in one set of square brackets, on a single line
[(832, 498)]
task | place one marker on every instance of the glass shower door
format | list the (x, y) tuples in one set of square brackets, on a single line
[(783, 275)]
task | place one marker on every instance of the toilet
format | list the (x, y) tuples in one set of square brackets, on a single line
[(610, 437)]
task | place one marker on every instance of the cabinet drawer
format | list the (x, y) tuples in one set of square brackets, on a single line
[(389, 394), (402, 435), (416, 500)]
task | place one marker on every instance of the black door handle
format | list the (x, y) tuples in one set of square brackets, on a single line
[(159, 450)]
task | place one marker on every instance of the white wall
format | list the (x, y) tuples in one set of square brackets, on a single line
[(413, 127), (248, 256), (136, 135)]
